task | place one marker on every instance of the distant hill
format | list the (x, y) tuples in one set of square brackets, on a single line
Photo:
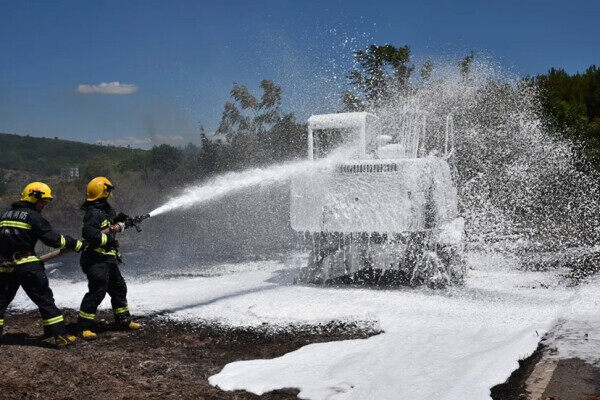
[(47, 156)]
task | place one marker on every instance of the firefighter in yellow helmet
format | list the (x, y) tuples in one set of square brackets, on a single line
[(20, 228), (100, 260)]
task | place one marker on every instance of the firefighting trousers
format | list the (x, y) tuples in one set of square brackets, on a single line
[(103, 278), (36, 286)]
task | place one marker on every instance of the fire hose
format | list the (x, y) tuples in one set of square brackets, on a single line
[(130, 222)]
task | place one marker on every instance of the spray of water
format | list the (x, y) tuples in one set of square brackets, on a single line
[(233, 182), (519, 180)]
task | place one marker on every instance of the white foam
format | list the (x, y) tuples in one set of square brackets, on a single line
[(452, 344)]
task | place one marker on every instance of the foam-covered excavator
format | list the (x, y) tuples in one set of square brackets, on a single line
[(387, 213)]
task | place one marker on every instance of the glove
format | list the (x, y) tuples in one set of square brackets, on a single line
[(112, 242), (129, 222), (73, 244), (121, 217), (117, 227)]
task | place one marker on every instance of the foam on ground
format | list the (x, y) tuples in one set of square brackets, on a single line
[(451, 344)]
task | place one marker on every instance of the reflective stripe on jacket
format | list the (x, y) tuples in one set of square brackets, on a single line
[(98, 216), (20, 228)]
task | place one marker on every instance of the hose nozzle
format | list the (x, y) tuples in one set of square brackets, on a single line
[(135, 221), (140, 218)]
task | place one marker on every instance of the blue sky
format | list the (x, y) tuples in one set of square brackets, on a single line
[(182, 56)]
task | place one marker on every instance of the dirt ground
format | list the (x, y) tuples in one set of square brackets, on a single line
[(166, 359), (572, 379)]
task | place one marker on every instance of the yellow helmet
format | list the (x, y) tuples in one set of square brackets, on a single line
[(98, 188), (36, 191)]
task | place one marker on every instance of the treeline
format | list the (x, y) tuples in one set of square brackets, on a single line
[(572, 104), (47, 156), (26, 158)]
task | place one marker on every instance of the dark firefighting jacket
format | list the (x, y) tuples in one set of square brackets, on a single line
[(102, 247), (20, 229)]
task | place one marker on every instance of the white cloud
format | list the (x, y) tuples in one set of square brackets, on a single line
[(145, 142), (108, 88), (164, 139), (127, 141)]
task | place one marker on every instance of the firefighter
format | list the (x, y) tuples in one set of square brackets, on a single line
[(100, 260), (20, 228)]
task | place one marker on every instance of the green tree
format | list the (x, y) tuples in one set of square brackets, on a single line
[(352, 102), (165, 158), (382, 71), (257, 131), (464, 65), (212, 157), (572, 103), (96, 167), (426, 70), (137, 162)]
